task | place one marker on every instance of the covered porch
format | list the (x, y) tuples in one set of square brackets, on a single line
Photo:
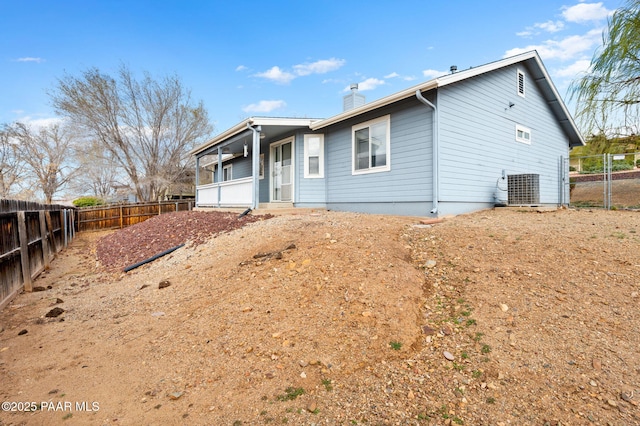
[(250, 164)]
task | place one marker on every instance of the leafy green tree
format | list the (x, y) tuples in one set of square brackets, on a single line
[(608, 96)]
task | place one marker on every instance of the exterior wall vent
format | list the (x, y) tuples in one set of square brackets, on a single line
[(524, 189)]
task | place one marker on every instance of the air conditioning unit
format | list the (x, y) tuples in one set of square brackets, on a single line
[(523, 189)]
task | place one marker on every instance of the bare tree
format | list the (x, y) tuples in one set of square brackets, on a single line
[(147, 126), (47, 153), (100, 173), (11, 166)]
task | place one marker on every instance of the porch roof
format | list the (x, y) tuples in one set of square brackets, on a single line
[(270, 127)]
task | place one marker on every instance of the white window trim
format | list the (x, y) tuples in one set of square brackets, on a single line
[(291, 139), (230, 175), (524, 83), (387, 166), (525, 130), (320, 174)]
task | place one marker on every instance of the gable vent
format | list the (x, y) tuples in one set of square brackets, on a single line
[(520, 83), (523, 189)]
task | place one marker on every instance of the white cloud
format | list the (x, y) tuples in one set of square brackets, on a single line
[(537, 28), (368, 84), (402, 77), (276, 75), (319, 67), (550, 26), (241, 68), (585, 12), (38, 123), (525, 33), (433, 73), (265, 106), (578, 67), (323, 66), (30, 59), (566, 49)]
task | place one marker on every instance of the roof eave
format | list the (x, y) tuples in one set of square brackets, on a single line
[(407, 93), (252, 121)]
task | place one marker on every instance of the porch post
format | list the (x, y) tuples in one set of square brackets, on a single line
[(197, 178), (219, 174), (255, 157)]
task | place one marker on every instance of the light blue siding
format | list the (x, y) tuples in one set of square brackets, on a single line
[(477, 137), (241, 168), (406, 188)]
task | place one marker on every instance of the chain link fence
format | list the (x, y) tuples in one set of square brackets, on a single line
[(609, 181)]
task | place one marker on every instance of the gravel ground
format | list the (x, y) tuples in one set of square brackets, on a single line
[(501, 317)]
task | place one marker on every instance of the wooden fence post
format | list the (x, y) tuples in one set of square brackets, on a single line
[(54, 246), (121, 217), (24, 252), (43, 237)]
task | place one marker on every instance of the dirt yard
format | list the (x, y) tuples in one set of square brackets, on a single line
[(502, 317)]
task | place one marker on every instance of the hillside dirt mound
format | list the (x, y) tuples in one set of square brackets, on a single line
[(502, 317)]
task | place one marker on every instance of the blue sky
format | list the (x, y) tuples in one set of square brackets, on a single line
[(282, 58)]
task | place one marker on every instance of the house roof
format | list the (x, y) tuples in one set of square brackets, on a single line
[(535, 65), (531, 59)]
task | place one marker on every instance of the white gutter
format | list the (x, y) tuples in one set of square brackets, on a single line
[(434, 154)]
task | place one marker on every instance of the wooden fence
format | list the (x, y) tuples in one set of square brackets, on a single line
[(30, 236), (121, 216)]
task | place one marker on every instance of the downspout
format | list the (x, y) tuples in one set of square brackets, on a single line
[(255, 157), (434, 154)]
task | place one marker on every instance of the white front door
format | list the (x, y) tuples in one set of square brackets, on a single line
[(282, 171)]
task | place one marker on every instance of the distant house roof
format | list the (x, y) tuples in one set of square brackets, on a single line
[(535, 66)]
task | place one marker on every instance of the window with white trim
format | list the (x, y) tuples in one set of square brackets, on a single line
[(227, 172), (523, 134), (372, 146), (314, 156), (521, 83)]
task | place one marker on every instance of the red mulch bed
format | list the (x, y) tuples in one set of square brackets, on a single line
[(146, 239)]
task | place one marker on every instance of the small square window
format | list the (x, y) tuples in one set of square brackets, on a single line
[(523, 134)]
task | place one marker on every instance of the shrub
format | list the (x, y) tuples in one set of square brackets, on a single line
[(621, 166), (88, 201)]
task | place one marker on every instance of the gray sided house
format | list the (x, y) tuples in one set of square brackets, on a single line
[(494, 134)]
